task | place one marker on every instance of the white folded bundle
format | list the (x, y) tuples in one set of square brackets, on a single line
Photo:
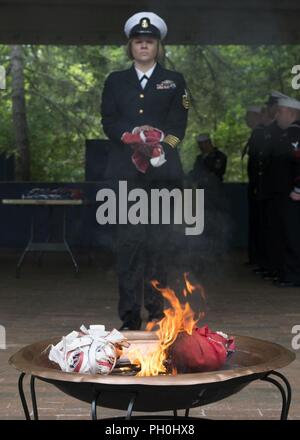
[(90, 351), (158, 161)]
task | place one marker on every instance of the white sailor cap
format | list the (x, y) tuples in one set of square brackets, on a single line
[(203, 137), (145, 23), (274, 96), (278, 95), (289, 102), (254, 108)]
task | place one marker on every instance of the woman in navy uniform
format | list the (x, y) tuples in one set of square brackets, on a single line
[(145, 96)]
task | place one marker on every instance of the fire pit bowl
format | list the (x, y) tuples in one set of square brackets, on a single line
[(254, 359)]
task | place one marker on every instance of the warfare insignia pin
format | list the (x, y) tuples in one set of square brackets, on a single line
[(166, 85)]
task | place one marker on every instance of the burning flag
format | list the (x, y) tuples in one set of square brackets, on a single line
[(182, 347), (203, 350)]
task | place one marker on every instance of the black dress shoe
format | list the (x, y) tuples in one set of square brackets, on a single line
[(124, 326), (133, 324)]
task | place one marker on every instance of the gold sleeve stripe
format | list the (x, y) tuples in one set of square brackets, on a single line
[(172, 140)]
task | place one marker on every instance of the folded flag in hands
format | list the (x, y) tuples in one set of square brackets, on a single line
[(147, 149)]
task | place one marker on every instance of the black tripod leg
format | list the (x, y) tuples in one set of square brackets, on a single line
[(27, 248), (75, 264), (130, 407), (285, 403), (33, 398), (94, 405), (288, 388), (22, 396)]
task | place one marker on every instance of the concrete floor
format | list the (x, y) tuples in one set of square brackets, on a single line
[(49, 301)]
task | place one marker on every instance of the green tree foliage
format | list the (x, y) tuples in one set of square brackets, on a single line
[(63, 92)]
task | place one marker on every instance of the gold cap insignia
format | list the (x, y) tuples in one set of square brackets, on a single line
[(145, 23)]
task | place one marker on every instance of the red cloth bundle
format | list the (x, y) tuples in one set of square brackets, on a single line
[(146, 146), (201, 351)]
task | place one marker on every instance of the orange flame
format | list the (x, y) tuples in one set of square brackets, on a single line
[(178, 318)]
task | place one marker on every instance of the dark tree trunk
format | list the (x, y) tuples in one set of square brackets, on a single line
[(19, 112)]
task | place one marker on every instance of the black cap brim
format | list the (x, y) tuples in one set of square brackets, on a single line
[(139, 31)]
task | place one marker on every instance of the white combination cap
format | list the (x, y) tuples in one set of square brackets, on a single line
[(289, 102), (145, 23), (278, 95)]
